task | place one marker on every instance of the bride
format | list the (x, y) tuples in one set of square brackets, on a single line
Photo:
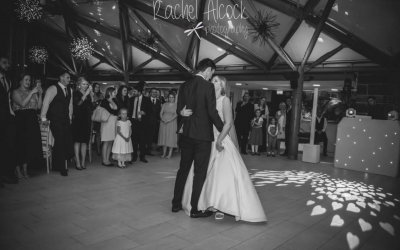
[(228, 187)]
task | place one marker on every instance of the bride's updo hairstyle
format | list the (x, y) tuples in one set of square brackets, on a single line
[(223, 84)]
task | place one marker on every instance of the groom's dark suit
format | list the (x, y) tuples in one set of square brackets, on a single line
[(198, 95)]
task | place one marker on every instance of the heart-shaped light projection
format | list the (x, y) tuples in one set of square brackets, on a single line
[(361, 204), (312, 193), (337, 221), (351, 198), (336, 205), (388, 228), (332, 197), (320, 197), (352, 240), (373, 213), (328, 193), (353, 208), (365, 226), (377, 202), (319, 189), (341, 200), (317, 210), (374, 206), (397, 217), (280, 185), (310, 202)]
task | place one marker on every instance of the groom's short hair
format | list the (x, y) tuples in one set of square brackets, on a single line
[(206, 63)]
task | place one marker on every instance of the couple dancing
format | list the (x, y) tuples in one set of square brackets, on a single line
[(212, 176)]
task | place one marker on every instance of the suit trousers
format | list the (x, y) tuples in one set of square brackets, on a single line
[(287, 135), (197, 151), (152, 135), (8, 146), (243, 136), (63, 149), (321, 138), (139, 137)]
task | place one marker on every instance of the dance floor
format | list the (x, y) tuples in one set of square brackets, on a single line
[(308, 206)]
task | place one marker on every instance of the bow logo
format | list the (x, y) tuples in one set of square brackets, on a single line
[(194, 29)]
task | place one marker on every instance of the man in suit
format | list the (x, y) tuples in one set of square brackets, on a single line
[(139, 111), (197, 95), (288, 124), (154, 121), (7, 127), (58, 109), (244, 113)]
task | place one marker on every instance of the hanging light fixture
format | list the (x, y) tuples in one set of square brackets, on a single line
[(38, 55), (81, 48), (29, 10)]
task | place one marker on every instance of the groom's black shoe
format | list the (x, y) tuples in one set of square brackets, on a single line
[(201, 214), (176, 209)]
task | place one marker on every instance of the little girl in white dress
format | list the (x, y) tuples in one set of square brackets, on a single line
[(122, 147)]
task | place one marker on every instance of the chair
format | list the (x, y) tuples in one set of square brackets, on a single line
[(46, 146)]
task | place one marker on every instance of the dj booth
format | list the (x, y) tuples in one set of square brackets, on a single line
[(366, 145)]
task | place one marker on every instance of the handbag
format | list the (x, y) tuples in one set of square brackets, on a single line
[(100, 114)]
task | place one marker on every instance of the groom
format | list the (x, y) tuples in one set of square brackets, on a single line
[(196, 95)]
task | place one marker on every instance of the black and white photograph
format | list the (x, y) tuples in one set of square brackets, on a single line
[(199, 125)]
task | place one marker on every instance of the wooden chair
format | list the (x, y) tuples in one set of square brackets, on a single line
[(47, 148)]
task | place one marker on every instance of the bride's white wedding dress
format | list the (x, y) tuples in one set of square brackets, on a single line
[(228, 187)]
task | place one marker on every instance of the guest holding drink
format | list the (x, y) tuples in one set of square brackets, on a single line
[(26, 102), (81, 121), (167, 137), (108, 129)]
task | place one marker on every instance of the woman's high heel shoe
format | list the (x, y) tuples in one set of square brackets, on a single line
[(19, 175)]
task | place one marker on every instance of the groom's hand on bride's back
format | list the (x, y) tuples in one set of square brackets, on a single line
[(186, 112)]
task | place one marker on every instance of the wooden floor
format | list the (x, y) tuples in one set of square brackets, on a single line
[(308, 206)]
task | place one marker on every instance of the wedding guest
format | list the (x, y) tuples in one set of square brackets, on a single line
[(130, 92), (140, 109), (273, 130), (256, 133), (281, 118), (154, 121), (108, 129), (288, 122), (82, 121), (122, 99), (263, 107), (7, 127), (244, 114), (97, 98), (167, 137), (58, 109), (374, 110), (26, 101), (321, 125), (122, 148)]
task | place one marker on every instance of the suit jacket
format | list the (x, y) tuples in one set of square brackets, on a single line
[(244, 115), (145, 106), (5, 100), (156, 110), (198, 95), (288, 120)]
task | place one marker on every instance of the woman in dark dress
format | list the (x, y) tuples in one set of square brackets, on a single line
[(122, 99), (97, 98), (81, 121), (26, 102)]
